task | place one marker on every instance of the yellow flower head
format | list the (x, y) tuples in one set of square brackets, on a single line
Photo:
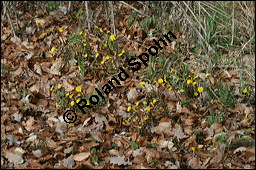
[(58, 105), (108, 31), (78, 88), (60, 29), (195, 93), (78, 95), (182, 90), (105, 45), (84, 44), (192, 148), (195, 77), (160, 80), (52, 88), (108, 57), (59, 86), (102, 62), (137, 104), (112, 37), (53, 49), (207, 74), (67, 94), (71, 95), (189, 81), (200, 89), (140, 127), (148, 108), (172, 70), (79, 68), (154, 101), (170, 88), (97, 55), (145, 118), (38, 21), (142, 83), (78, 100), (129, 108), (81, 32), (72, 103), (101, 30), (245, 91), (194, 83)]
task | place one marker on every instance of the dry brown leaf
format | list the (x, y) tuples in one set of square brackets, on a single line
[(81, 156)]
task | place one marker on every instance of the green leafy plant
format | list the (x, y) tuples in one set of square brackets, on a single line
[(95, 159), (134, 145)]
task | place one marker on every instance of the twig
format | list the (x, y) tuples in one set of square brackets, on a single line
[(141, 13)]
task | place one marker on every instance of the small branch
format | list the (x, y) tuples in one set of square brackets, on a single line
[(141, 13)]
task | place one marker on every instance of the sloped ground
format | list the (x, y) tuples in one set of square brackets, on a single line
[(174, 113)]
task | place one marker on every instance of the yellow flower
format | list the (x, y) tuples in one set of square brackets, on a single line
[(78, 100), (79, 68), (145, 118), (189, 81), (182, 90), (72, 103), (154, 101), (144, 102), (142, 83), (129, 108), (112, 37), (148, 108), (71, 95), (195, 77), (53, 49), (105, 45), (102, 62), (57, 59), (88, 102), (207, 74), (194, 83), (137, 104), (101, 30), (170, 88), (38, 21), (78, 95), (59, 86), (165, 79), (81, 32), (58, 105), (108, 57), (67, 94), (85, 55), (71, 124), (195, 93), (172, 70), (97, 55), (140, 127), (84, 40), (200, 89), (52, 88), (245, 91), (160, 80), (192, 148), (212, 101), (108, 31), (84, 44), (60, 29), (252, 128), (78, 88)]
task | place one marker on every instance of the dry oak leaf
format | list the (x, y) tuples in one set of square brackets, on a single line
[(119, 160), (81, 156)]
